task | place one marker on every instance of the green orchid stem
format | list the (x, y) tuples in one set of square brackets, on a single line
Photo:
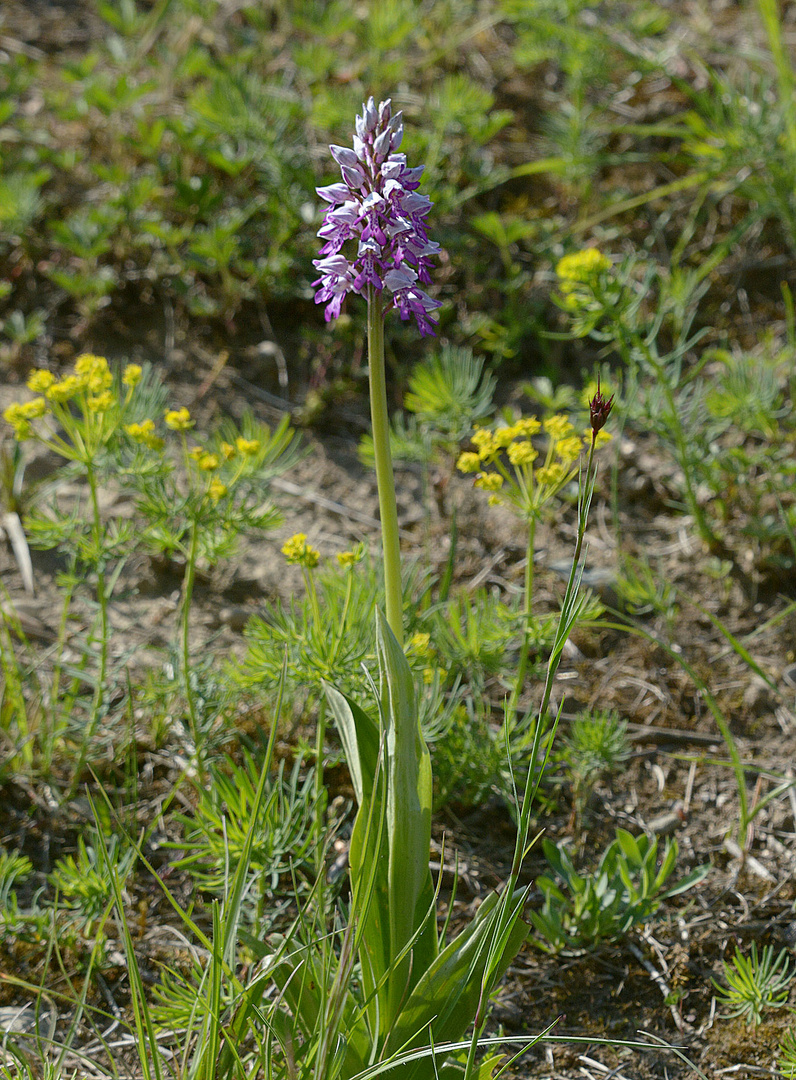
[(385, 480)]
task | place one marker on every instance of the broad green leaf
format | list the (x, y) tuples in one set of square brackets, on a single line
[(360, 738), (367, 857), (409, 794), (447, 994), (629, 845), (697, 875)]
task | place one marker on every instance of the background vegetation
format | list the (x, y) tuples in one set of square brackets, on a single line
[(158, 165)]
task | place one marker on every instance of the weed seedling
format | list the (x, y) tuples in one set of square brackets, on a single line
[(755, 983)]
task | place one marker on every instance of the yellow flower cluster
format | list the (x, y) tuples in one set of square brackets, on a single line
[(247, 447), (217, 489), (578, 274), (207, 461), (100, 403), (179, 419), (490, 481), (420, 644), (522, 453), (145, 433), (523, 486), (552, 475), (90, 377), (94, 371), (40, 381), (348, 559), (19, 416), (70, 386), (131, 376), (299, 553), (582, 267)]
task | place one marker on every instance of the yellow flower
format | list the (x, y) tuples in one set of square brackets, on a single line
[(87, 363), (140, 432), (522, 453), (208, 462), (489, 481), (217, 490), (558, 426), (247, 447), (420, 644), (19, 416), (468, 462), (485, 442), (527, 426), (349, 558), (66, 389), (298, 552), (33, 409), (179, 419), (227, 451), (101, 402), (503, 436), (40, 381), (551, 475), (583, 267), (145, 433), (569, 449), (494, 500), (95, 371), (131, 375)]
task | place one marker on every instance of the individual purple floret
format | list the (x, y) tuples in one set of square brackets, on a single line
[(379, 207)]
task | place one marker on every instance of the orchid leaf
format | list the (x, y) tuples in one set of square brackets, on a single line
[(409, 796), (447, 994)]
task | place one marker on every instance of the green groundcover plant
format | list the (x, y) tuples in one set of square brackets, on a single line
[(352, 985)]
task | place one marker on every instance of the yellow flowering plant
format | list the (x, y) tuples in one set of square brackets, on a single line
[(193, 497), (526, 465), (196, 513), (82, 417), (644, 313)]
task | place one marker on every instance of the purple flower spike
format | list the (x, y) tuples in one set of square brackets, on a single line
[(378, 205)]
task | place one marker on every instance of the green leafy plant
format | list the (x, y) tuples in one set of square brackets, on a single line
[(786, 1061), (626, 889), (595, 744), (414, 991), (755, 983), (644, 592), (508, 465), (192, 507), (198, 512), (82, 884), (446, 395), (28, 922), (215, 835)]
